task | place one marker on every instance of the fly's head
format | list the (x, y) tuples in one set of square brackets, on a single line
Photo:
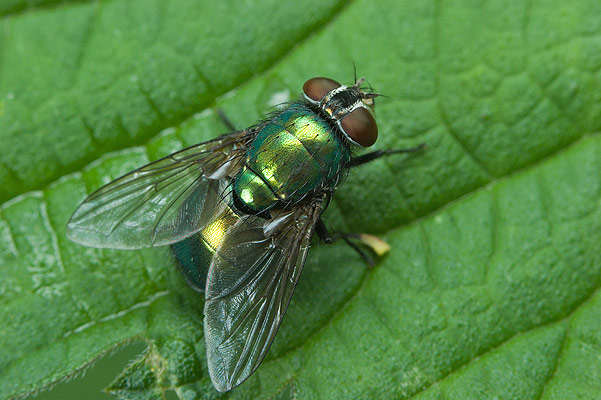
[(347, 106)]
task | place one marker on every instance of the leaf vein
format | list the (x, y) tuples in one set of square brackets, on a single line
[(444, 119)]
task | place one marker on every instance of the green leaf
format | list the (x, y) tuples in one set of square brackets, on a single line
[(491, 287)]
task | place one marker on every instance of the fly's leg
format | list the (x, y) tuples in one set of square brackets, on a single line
[(226, 121), (323, 232), (365, 158), (328, 238), (377, 245)]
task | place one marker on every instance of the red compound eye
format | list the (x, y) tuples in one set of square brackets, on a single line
[(316, 88), (361, 126)]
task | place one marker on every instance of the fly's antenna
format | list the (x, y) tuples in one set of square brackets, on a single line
[(366, 94), (373, 92), (359, 82), (355, 71)]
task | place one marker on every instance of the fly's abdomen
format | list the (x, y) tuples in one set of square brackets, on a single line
[(194, 254), (290, 157)]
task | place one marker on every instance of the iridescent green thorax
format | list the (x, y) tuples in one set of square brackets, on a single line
[(293, 154)]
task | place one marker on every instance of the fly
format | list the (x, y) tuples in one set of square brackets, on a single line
[(239, 212)]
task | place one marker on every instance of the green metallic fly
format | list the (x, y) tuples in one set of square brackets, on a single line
[(239, 213)]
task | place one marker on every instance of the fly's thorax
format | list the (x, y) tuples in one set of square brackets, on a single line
[(292, 155), (252, 194)]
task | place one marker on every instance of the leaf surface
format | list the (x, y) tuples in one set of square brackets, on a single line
[(491, 287)]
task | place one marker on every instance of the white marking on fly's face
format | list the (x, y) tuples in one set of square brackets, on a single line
[(354, 106), (347, 110), (310, 100), (338, 90)]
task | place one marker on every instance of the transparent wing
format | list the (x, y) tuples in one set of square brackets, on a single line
[(161, 203), (251, 279)]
